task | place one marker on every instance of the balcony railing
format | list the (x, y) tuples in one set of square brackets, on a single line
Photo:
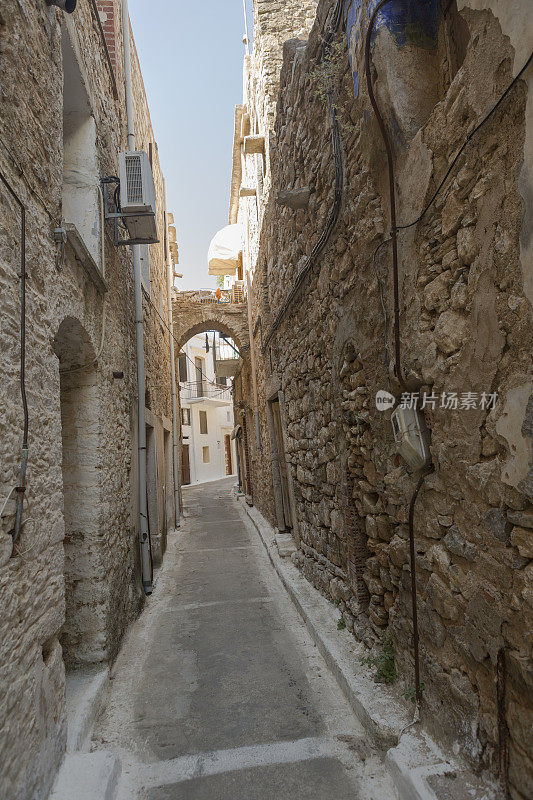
[(199, 389), (235, 295)]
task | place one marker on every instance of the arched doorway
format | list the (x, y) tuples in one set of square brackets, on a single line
[(83, 634), (207, 364)]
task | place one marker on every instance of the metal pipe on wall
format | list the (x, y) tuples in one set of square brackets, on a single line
[(175, 438), (146, 561)]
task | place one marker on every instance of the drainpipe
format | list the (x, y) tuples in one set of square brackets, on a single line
[(175, 440), (146, 562), (250, 316)]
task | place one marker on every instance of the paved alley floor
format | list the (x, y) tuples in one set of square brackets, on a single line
[(219, 692)]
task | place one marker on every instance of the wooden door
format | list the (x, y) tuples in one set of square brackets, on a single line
[(276, 414), (185, 465), (227, 446)]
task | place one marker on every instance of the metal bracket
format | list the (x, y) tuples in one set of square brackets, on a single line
[(116, 214)]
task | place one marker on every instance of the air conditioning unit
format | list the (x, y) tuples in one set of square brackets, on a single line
[(137, 196)]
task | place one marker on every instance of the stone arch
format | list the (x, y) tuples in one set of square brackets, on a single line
[(194, 314), (83, 636), (73, 345)]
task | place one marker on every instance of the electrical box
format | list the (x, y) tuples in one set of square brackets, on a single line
[(137, 196), (411, 436)]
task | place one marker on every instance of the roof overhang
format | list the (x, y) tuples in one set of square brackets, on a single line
[(236, 432), (225, 251)]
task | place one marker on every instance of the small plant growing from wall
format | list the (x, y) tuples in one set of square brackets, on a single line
[(341, 624), (327, 76), (383, 661), (409, 694)]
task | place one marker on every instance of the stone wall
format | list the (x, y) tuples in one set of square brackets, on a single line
[(196, 312), (157, 341), (465, 327), (70, 586)]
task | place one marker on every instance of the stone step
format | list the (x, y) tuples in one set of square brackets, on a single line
[(88, 776), (421, 771), (285, 544), (86, 691)]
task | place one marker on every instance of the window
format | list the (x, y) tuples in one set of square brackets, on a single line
[(185, 416), (199, 365), (81, 204), (222, 381), (203, 421), (205, 451), (182, 368)]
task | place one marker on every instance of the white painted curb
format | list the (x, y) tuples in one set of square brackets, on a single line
[(412, 757)]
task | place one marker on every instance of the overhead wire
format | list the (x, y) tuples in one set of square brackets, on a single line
[(395, 228), (212, 383), (464, 146)]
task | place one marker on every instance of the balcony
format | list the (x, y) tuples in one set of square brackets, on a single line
[(202, 391), (234, 296), (227, 358)]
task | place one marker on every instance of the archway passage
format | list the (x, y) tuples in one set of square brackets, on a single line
[(83, 633), (193, 312)]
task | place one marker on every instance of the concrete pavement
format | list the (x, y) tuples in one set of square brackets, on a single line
[(219, 692)]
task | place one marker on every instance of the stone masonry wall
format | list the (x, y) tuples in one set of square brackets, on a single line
[(68, 588), (466, 327), (156, 326)]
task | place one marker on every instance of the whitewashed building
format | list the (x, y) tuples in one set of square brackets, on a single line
[(208, 451)]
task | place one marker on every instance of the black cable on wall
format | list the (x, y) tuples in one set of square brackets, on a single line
[(21, 488)]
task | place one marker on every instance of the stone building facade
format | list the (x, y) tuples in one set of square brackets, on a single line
[(316, 225), (70, 584)]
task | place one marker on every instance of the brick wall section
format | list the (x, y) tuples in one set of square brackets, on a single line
[(107, 12)]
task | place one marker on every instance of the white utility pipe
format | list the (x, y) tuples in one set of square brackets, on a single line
[(146, 563), (175, 440), (247, 44)]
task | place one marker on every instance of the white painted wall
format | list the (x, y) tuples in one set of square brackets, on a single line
[(220, 421)]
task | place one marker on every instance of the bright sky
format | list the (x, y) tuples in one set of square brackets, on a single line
[(191, 55)]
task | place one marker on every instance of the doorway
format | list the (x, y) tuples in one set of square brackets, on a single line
[(83, 636), (282, 463), (199, 365), (185, 466), (169, 483), (227, 451)]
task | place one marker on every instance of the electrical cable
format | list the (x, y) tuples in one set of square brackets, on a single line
[(412, 555), (212, 383), (383, 307), (21, 488), (465, 144), (6, 501)]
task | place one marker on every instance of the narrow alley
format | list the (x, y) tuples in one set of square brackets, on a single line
[(266, 400), (219, 691)]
